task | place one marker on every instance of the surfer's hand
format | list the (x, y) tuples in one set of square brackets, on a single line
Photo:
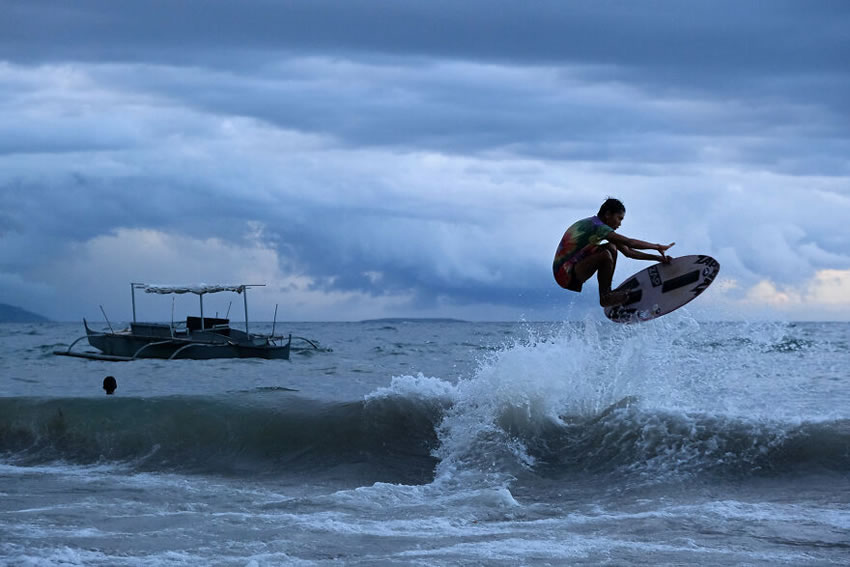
[(664, 257), (661, 248)]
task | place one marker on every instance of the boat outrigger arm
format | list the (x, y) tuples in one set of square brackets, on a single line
[(200, 290)]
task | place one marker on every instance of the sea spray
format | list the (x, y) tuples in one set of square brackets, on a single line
[(518, 392)]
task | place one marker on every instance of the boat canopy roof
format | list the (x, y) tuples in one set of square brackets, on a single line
[(198, 289)]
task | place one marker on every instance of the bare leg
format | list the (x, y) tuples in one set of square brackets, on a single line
[(605, 275), (603, 263)]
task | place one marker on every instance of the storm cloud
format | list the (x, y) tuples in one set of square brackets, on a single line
[(374, 158)]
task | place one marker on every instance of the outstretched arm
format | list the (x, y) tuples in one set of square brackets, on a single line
[(630, 246)]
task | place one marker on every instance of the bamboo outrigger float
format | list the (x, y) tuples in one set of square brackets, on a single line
[(197, 338)]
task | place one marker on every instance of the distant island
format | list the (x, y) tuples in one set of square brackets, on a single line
[(413, 320), (12, 314)]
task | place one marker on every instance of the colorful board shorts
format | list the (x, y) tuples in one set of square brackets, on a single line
[(565, 275)]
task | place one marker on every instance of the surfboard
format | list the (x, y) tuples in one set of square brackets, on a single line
[(662, 288)]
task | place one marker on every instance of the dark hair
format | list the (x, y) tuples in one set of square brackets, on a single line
[(611, 205)]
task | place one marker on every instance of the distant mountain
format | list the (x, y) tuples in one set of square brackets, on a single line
[(12, 314)]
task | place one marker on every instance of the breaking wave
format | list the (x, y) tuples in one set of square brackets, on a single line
[(636, 404), (396, 438)]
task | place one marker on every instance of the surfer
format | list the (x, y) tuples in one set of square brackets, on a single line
[(580, 253)]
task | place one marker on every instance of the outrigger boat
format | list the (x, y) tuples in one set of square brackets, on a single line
[(197, 338)]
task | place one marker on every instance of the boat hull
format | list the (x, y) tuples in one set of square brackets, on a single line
[(135, 346)]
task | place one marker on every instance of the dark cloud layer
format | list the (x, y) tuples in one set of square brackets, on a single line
[(716, 45), (759, 37), (773, 64)]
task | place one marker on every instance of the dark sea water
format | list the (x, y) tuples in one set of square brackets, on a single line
[(436, 443)]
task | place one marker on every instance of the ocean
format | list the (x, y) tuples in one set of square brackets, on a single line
[(404, 442)]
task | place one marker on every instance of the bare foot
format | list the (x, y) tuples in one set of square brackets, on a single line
[(613, 298)]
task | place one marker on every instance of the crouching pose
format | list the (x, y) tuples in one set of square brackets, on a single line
[(581, 252)]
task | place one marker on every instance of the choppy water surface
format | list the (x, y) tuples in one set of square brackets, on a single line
[(436, 443)]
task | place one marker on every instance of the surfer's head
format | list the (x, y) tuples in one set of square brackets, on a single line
[(612, 212)]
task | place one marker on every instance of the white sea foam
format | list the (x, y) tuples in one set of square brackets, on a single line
[(415, 387)]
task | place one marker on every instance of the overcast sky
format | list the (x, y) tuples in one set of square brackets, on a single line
[(368, 158)]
